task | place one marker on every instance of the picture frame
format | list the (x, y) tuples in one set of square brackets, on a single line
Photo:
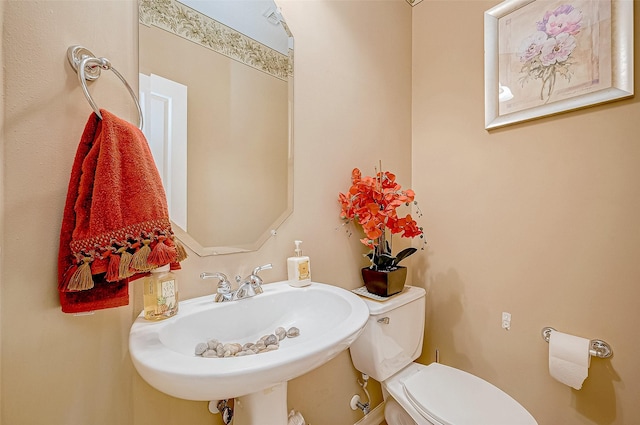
[(544, 57)]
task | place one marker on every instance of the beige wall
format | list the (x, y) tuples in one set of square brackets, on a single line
[(538, 219), (352, 107), (1, 192)]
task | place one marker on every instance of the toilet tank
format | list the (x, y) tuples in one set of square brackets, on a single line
[(392, 337)]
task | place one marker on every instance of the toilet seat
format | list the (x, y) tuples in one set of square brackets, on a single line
[(453, 397)]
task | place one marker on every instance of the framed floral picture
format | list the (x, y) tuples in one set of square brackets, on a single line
[(543, 57)]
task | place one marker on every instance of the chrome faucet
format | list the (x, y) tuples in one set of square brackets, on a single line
[(248, 287), (252, 284)]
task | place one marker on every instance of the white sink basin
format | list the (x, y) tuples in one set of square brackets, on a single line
[(329, 319)]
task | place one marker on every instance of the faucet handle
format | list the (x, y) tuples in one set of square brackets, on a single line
[(260, 268), (208, 275), (256, 281), (224, 287), (220, 276)]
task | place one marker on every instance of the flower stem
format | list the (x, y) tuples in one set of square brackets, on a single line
[(550, 83)]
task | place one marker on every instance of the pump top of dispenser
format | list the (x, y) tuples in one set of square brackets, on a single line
[(298, 250)]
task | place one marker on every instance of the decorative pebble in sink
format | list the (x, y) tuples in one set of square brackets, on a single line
[(216, 349)]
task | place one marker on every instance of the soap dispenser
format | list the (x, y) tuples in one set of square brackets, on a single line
[(299, 268), (160, 294)]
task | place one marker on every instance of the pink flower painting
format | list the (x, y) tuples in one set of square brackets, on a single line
[(546, 53)]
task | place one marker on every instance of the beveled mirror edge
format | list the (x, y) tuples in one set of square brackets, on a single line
[(205, 251)]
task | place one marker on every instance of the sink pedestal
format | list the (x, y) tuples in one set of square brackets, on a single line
[(266, 406)]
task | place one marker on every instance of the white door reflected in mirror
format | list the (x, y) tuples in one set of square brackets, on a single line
[(164, 108)]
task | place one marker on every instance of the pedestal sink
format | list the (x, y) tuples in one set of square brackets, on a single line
[(329, 319)]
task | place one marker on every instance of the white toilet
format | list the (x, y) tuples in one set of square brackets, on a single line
[(416, 394)]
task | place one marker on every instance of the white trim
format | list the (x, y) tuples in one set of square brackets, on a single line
[(375, 417)]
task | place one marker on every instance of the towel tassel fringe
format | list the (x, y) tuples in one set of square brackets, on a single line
[(125, 261), (140, 258), (113, 269), (162, 254), (180, 250), (81, 279)]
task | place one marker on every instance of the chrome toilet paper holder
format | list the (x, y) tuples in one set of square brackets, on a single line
[(597, 347)]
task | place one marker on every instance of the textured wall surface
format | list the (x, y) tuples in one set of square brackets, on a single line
[(539, 219), (352, 108)]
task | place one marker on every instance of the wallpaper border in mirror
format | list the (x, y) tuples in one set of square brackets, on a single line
[(172, 16)]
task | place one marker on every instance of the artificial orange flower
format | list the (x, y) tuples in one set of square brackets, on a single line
[(372, 202)]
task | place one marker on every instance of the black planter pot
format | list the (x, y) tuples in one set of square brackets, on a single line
[(384, 283)]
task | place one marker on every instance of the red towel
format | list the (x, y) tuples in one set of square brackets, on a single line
[(116, 224)]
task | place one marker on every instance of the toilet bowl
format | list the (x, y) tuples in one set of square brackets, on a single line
[(417, 394)]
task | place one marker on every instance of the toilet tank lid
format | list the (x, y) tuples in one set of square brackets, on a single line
[(408, 294), (454, 397)]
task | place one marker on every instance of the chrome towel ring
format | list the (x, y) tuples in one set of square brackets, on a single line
[(88, 68)]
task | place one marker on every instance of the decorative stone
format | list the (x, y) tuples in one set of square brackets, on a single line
[(271, 340), (214, 348), (232, 348), (281, 333), (201, 348)]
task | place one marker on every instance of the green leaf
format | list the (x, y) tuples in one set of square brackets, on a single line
[(404, 254)]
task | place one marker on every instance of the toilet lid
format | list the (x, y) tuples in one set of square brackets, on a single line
[(454, 397)]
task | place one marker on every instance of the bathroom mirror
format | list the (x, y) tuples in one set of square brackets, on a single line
[(216, 81)]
